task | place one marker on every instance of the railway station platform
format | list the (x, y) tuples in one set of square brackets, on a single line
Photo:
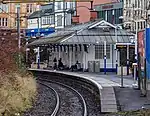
[(113, 98)]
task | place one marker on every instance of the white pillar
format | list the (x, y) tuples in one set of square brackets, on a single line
[(127, 59), (73, 56), (85, 60), (136, 41), (59, 52), (106, 15), (38, 58), (116, 49), (127, 52), (70, 57), (105, 58)]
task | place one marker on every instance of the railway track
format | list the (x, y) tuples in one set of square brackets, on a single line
[(77, 96), (54, 112), (71, 101), (46, 102)]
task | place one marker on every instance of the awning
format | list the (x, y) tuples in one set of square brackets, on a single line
[(83, 34), (42, 41)]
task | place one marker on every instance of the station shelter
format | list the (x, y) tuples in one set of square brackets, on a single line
[(98, 45)]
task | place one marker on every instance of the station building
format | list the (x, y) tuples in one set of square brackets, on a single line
[(97, 45)]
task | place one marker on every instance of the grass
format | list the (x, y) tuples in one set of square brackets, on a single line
[(16, 93)]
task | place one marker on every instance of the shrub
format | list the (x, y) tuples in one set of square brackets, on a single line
[(16, 93)]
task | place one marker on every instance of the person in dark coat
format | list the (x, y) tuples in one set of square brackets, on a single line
[(60, 64), (55, 63)]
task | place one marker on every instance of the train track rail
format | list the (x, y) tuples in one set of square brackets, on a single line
[(57, 99), (86, 103), (53, 85)]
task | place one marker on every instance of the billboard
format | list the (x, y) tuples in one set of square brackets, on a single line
[(141, 48)]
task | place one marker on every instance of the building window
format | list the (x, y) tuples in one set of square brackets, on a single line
[(59, 20), (29, 8), (3, 22), (99, 51), (141, 25), (48, 20), (71, 5), (59, 5), (4, 8), (6, 22), (44, 21)]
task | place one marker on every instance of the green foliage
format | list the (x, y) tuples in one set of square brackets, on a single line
[(20, 62)]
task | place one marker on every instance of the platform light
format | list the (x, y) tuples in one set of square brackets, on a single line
[(97, 42), (132, 40)]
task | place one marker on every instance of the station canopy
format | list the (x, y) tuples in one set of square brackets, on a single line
[(95, 32)]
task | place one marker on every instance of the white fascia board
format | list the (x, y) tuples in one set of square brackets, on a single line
[(99, 23)]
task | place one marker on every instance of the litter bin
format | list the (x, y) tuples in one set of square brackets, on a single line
[(91, 66), (97, 66)]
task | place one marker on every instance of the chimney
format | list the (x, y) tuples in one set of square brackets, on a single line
[(75, 19), (93, 15)]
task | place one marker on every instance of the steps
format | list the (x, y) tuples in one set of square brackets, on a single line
[(108, 100)]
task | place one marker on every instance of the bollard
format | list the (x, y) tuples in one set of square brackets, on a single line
[(134, 74), (121, 76), (135, 85)]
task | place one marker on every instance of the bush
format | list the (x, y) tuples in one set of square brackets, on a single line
[(16, 93)]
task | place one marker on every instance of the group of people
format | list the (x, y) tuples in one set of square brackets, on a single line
[(60, 64)]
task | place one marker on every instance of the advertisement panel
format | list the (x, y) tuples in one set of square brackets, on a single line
[(141, 48)]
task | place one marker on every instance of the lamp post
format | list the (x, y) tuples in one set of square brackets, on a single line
[(38, 49), (18, 29)]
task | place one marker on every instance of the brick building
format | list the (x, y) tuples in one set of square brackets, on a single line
[(8, 14), (84, 12)]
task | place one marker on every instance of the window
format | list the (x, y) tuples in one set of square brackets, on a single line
[(52, 20), (6, 22), (59, 5), (71, 5), (141, 25), (29, 8), (138, 26), (48, 20), (66, 5), (3, 22), (59, 20), (4, 8), (44, 20), (99, 51)]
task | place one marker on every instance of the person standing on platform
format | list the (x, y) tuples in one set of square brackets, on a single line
[(55, 63)]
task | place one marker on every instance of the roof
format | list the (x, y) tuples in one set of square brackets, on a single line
[(45, 41), (88, 33), (41, 13), (73, 29), (94, 36)]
